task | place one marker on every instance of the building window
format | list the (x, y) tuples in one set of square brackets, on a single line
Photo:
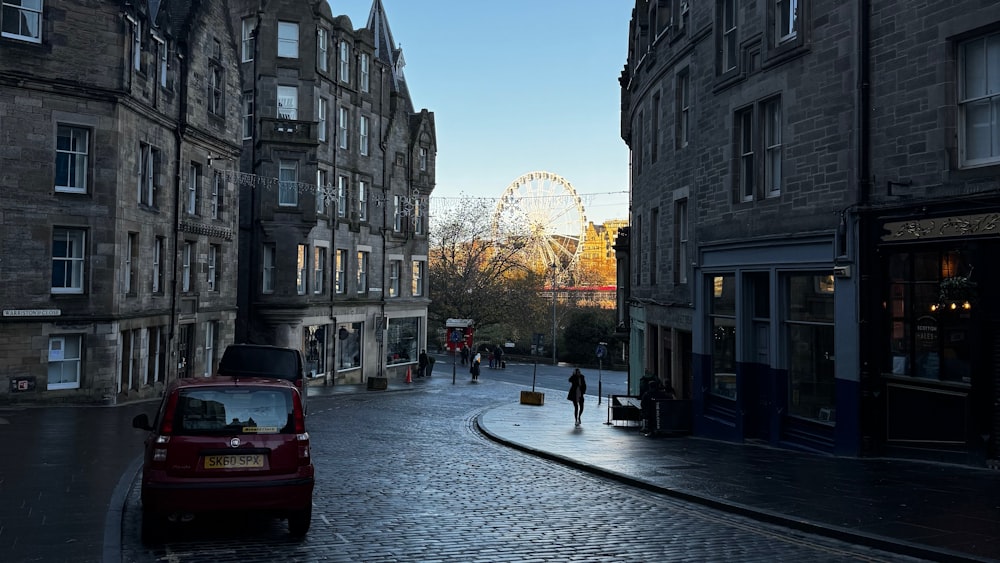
[(211, 333), (72, 151), (341, 196), (930, 308), (322, 60), (129, 285), (786, 26), (149, 161), (162, 51), (65, 357), (423, 159), (214, 254), (302, 269), (722, 317), (218, 193), (397, 214), (288, 40), (729, 36), (319, 270), (194, 178), (418, 219), (683, 108), (288, 102), (654, 247), (268, 258), (401, 336), (341, 268), (156, 352), (321, 192), (136, 44), (342, 127), (746, 173), (638, 129), (22, 19), (288, 193), (363, 63), (158, 247), (654, 143), (247, 115), (979, 100), (349, 349), (186, 259), (248, 39), (363, 271), (363, 135), (417, 288), (809, 332), (362, 200), (67, 260), (771, 114), (321, 118), (394, 269), (345, 62), (680, 241), (216, 90)]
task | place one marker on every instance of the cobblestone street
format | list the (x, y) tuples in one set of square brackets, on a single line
[(405, 476)]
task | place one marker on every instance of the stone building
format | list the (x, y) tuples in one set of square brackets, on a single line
[(814, 201), (336, 170), (119, 232)]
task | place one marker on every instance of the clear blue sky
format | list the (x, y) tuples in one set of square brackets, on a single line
[(517, 86)]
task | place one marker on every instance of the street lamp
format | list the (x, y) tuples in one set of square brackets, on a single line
[(553, 266)]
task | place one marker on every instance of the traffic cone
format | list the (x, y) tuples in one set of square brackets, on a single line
[(409, 378)]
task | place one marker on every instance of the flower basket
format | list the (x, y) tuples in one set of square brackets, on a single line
[(958, 289)]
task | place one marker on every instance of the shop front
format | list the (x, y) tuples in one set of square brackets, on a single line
[(940, 338)]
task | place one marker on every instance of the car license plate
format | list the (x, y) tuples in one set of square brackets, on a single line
[(242, 461)]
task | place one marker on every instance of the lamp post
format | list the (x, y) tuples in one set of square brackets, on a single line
[(553, 266)]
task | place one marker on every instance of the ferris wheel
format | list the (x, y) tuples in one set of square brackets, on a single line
[(543, 212)]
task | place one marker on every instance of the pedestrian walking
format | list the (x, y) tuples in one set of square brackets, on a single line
[(422, 364), (474, 368), (499, 357), (577, 388), (465, 354)]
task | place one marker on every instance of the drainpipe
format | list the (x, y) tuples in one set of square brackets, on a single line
[(178, 145), (866, 262), (383, 144)]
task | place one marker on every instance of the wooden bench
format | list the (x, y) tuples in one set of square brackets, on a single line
[(626, 409)]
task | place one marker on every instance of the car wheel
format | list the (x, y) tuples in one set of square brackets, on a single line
[(299, 521), (152, 527)]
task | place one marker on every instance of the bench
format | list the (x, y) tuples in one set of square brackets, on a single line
[(626, 409)]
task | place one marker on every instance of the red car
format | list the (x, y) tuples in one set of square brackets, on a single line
[(226, 444)]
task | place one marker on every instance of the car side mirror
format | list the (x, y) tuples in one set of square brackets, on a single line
[(141, 421)]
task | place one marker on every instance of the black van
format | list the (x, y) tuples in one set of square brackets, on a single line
[(262, 360)]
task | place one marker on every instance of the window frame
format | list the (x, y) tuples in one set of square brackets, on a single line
[(683, 108), (77, 161), (322, 47), (212, 276), (159, 246), (72, 262), (343, 128), (321, 111), (267, 266), (362, 200), (965, 101), (288, 40), (363, 124), (746, 169), (344, 62), (395, 271), (247, 121), (342, 188), (216, 90), (248, 41), (771, 115), (319, 269), (288, 192), (194, 181), (364, 64), (25, 14), (287, 102), (302, 262), (63, 360), (218, 195), (363, 265), (130, 283), (149, 157), (418, 278), (321, 192), (340, 267), (729, 53), (187, 259)]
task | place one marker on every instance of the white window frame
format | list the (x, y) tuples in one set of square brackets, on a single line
[(25, 14), (72, 260), (288, 179), (365, 71), (194, 178), (422, 158), (417, 286), (61, 359), (771, 115), (288, 40), (321, 191), (162, 53), (322, 60), (211, 328), (362, 200), (684, 108), (397, 214), (395, 270), (187, 255), (321, 105), (129, 284), (288, 102), (247, 115), (146, 189), (341, 196), (137, 45), (247, 39), (745, 147), (418, 219), (213, 273), (342, 128), (75, 155), (268, 256), (340, 265), (344, 57), (302, 269), (977, 100), (216, 89), (786, 16), (158, 247), (363, 122), (363, 262), (730, 56), (218, 190), (319, 269)]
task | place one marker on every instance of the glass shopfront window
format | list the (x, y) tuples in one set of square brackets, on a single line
[(349, 351), (809, 327), (930, 303), (401, 340), (723, 322), (314, 346)]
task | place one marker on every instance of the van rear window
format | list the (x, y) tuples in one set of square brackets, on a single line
[(259, 362), (242, 410)]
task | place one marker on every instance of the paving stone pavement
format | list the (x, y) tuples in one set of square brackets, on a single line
[(408, 476)]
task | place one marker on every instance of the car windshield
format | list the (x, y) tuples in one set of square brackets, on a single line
[(243, 410)]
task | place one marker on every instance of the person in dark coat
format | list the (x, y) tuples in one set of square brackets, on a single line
[(577, 388), (422, 364)]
